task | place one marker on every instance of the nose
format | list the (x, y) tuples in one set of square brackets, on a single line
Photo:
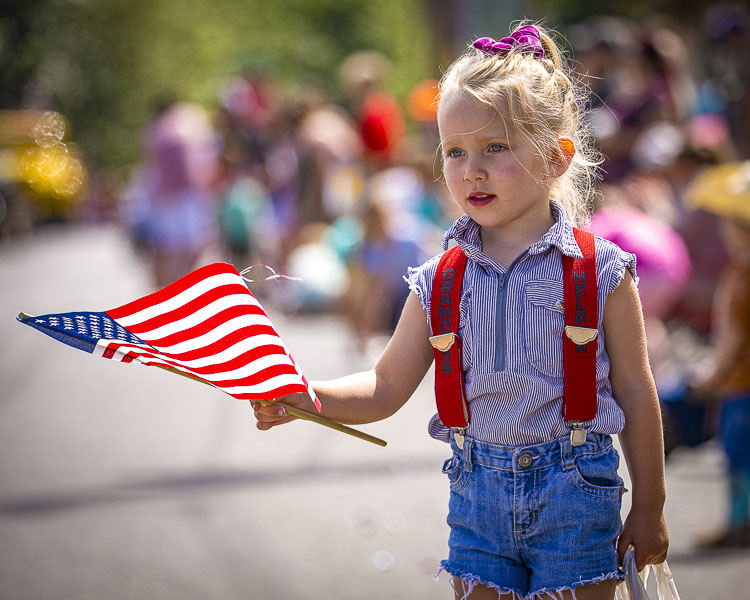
[(474, 172)]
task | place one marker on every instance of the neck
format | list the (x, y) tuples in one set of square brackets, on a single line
[(503, 246)]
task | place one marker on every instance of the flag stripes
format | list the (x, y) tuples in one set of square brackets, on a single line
[(207, 325)]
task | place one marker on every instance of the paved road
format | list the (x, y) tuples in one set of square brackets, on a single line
[(122, 482)]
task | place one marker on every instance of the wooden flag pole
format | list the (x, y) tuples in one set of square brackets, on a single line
[(295, 412), (308, 416)]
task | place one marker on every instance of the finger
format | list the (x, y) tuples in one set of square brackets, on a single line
[(274, 417), (623, 543), (272, 411), (265, 425)]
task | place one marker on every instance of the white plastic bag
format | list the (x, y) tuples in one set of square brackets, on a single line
[(634, 586)]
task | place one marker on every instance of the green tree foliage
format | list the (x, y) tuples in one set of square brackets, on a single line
[(103, 62)]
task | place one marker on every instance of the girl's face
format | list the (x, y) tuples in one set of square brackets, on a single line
[(492, 173)]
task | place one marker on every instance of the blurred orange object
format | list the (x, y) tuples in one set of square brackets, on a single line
[(422, 102)]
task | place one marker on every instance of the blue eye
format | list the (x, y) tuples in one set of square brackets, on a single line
[(455, 153), (496, 148)]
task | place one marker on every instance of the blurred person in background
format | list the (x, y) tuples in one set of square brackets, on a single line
[(336, 149), (169, 204), (706, 143), (377, 292), (247, 224), (730, 381), (248, 106), (645, 79), (727, 27), (323, 275), (377, 112), (289, 172)]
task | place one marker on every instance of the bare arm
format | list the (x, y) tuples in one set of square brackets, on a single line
[(375, 394), (642, 437)]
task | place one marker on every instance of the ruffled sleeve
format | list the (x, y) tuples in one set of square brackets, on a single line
[(612, 261), (419, 280)]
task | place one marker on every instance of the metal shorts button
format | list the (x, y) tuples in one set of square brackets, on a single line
[(525, 460)]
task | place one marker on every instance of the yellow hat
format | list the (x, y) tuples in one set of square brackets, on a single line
[(723, 190)]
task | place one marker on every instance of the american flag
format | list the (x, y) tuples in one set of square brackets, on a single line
[(206, 325)]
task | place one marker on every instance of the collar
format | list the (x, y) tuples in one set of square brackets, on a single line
[(466, 233)]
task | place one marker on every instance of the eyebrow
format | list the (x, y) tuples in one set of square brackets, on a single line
[(485, 139)]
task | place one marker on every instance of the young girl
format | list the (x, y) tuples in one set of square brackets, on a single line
[(532, 511)]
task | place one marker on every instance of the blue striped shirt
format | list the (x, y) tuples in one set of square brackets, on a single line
[(511, 324)]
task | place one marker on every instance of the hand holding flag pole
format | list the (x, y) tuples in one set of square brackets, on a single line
[(302, 414), (206, 326)]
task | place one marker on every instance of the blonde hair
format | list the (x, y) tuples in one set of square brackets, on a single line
[(540, 99)]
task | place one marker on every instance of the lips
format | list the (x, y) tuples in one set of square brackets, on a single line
[(480, 198)]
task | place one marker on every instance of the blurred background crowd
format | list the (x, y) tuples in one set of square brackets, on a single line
[(302, 135)]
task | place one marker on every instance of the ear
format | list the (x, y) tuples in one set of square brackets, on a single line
[(563, 156)]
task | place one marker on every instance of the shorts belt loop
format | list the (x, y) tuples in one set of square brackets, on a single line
[(566, 454), (468, 466)]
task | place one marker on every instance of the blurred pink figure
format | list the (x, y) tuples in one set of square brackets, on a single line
[(663, 261), (178, 174)]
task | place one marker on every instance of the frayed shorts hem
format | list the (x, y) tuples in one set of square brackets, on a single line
[(472, 581), (554, 592)]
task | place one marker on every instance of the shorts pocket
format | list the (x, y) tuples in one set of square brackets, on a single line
[(544, 322), (457, 475), (596, 474)]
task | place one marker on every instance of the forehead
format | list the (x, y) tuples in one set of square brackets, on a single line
[(460, 114)]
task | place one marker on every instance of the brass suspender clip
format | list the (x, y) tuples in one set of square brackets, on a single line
[(459, 434), (577, 433), (443, 342), (581, 336)]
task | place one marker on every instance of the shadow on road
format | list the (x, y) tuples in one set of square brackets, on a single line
[(199, 481)]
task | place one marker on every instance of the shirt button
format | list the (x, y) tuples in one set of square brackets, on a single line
[(525, 460)]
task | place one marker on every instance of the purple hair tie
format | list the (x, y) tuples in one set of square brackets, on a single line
[(523, 39)]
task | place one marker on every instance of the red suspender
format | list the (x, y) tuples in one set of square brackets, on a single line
[(446, 344), (579, 342), (581, 331)]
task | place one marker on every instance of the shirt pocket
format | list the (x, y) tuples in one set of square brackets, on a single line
[(544, 325)]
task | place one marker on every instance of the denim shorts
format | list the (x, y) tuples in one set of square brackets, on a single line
[(534, 519)]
